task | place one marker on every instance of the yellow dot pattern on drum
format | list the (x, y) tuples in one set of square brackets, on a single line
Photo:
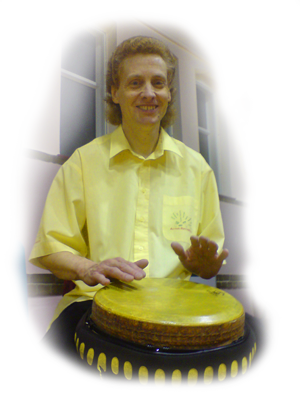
[(192, 376), (90, 356), (143, 374), (81, 350), (244, 365), (77, 344), (115, 365), (222, 372), (176, 376), (127, 370), (234, 368), (101, 364), (159, 376), (208, 375)]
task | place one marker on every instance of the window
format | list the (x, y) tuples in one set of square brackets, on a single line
[(175, 130), (206, 126), (82, 91)]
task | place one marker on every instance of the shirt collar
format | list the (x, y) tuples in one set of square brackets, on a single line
[(119, 143)]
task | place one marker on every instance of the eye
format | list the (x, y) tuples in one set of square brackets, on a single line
[(159, 83), (135, 83)]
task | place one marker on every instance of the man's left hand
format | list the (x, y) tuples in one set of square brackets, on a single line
[(201, 258)]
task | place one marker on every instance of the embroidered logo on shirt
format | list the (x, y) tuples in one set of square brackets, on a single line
[(182, 221)]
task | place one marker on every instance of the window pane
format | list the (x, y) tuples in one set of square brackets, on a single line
[(201, 102), (79, 56), (77, 122), (204, 149)]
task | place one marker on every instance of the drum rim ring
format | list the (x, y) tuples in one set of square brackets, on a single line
[(168, 361)]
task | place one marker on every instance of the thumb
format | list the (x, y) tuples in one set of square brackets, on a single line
[(142, 263), (178, 249), (224, 255)]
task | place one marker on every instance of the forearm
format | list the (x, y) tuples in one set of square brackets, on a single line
[(65, 265)]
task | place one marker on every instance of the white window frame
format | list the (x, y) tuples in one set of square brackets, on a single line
[(98, 85), (210, 131)]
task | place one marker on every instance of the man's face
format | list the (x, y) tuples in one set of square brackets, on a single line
[(143, 93)]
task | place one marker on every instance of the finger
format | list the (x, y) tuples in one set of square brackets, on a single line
[(142, 263), (212, 249), (94, 277), (130, 268), (203, 241), (102, 280), (208, 247), (179, 250), (224, 254), (135, 269), (116, 272), (195, 241)]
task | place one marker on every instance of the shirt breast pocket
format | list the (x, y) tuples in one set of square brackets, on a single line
[(179, 218)]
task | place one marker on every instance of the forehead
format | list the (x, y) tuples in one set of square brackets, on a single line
[(141, 64)]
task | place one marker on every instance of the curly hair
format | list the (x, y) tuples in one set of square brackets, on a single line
[(128, 48)]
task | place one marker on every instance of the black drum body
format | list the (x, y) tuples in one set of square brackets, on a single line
[(110, 356)]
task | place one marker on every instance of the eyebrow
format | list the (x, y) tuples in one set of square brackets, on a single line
[(161, 76)]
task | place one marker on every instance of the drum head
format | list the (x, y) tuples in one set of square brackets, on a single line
[(168, 313)]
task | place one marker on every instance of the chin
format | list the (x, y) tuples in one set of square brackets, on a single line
[(151, 121)]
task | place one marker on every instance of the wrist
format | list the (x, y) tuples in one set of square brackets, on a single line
[(82, 266)]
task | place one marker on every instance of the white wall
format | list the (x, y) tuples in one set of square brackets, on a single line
[(30, 82), (266, 99)]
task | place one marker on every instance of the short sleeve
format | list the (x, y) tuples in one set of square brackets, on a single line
[(211, 224), (62, 226)]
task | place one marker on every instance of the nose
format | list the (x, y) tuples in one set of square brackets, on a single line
[(148, 90)]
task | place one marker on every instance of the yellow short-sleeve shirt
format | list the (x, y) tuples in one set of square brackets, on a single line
[(106, 201)]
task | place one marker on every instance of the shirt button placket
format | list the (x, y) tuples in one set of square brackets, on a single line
[(141, 249)]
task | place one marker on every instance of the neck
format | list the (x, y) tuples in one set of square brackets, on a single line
[(142, 140)]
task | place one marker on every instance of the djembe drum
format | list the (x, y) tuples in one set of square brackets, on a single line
[(166, 330)]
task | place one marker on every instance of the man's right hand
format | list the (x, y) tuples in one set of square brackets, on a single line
[(68, 266), (115, 268)]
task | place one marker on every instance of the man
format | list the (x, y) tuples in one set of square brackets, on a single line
[(129, 205), (120, 195), (134, 203)]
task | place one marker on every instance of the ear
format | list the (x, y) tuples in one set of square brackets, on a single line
[(114, 95), (169, 96)]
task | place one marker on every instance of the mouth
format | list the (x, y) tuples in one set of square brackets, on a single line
[(147, 108)]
